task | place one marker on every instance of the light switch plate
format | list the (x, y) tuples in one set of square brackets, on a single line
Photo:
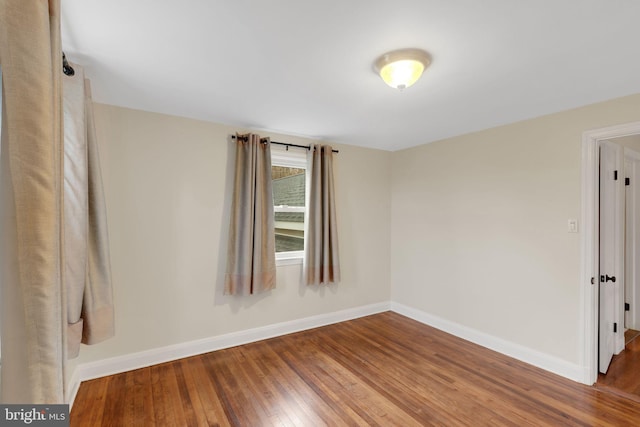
[(573, 226)]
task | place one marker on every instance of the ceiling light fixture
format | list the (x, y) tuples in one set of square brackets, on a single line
[(402, 68)]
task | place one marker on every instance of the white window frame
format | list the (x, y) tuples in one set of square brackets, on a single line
[(292, 158)]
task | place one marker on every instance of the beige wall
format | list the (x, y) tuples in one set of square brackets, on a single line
[(479, 227), (164, 180), (472, 229)]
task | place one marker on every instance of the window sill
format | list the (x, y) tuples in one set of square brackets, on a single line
[(290, 260)]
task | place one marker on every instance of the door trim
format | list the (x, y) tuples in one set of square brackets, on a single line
[(590, 241)]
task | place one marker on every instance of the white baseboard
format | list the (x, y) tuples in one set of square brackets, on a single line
[(533, 357), (129, 362), (115, 365)]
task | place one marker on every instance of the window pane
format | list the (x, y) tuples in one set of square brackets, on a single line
[(288, 243), (288, 186), (289, 190)]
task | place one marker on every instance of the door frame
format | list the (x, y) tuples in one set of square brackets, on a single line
[(590, 247)]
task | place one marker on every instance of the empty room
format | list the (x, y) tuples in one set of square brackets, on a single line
[(256, 213)]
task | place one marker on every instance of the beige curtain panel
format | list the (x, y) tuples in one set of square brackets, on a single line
[(32, 297), (55, 285), (251, 259), (87, 275), (321, 261)]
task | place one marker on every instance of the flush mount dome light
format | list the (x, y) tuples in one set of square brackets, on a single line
[(402, 68)]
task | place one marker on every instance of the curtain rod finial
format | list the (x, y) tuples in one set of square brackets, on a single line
[(66, 68)]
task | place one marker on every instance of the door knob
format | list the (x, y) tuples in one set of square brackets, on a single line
[(606, 278)]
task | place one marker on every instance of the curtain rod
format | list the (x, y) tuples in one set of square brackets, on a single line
[(286, 144)]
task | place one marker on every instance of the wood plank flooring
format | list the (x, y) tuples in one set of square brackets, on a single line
[(630, 335), (623, 375), (383, 370)]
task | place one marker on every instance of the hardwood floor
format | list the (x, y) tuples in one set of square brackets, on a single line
[(623, 375), (378, 370), (630, 335)]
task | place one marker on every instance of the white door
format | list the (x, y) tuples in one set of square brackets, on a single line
[(610, 221)]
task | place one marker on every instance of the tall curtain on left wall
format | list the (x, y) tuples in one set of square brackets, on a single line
[(86, 270), (55, 282), (32, 297)]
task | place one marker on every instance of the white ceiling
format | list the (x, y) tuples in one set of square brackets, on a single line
[(304, 67)]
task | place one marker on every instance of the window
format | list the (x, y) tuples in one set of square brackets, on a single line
[(289, 175)]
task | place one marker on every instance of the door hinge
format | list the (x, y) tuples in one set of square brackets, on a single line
[(627, 181), (626, 306), (615, 327), (615, 175)]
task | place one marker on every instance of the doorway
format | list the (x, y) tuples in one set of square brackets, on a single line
[(619, 252), (590, 272), (631, 147)]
